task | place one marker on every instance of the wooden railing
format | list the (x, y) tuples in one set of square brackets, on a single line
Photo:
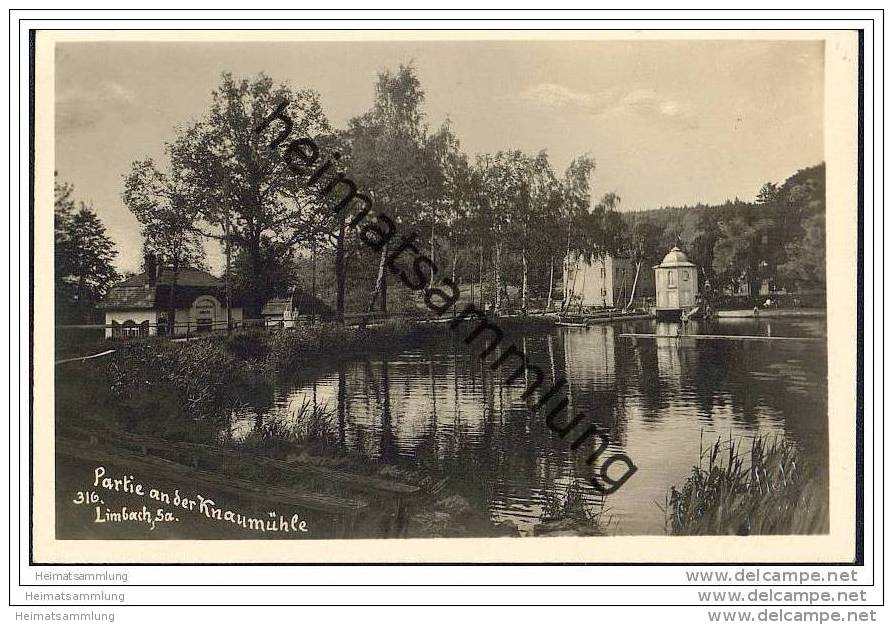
[(193, 328)]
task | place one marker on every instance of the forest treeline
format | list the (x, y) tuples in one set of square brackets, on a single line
[(502, 226), (779, 237)]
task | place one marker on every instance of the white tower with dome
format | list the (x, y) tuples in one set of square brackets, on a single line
[(676, 285)]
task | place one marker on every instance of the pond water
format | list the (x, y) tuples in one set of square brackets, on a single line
[(440, 406)]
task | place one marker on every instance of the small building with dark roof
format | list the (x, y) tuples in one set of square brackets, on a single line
[(285, 311), (139, 306)]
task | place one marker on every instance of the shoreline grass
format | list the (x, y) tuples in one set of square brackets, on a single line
[(765, 487)]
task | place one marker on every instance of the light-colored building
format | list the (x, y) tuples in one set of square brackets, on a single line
[(676, 285), (297, 306), (279, 312), (139, 305), (605, 282)]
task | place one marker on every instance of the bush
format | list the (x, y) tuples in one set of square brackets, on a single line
[(294, 347), (247, 344), (194, 381), (188, 389), (288, 349)]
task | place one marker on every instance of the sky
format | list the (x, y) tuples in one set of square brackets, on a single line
[(667, 122)]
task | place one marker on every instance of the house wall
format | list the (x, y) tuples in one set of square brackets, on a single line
[(608, 281), (185, 319), (592, 283), (135, 316), (623, 272)]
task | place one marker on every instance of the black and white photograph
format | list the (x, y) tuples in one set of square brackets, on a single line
[(517, 289)]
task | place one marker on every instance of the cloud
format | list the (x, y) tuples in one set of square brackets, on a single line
[(649, 103), (79, 107), (643, 103), (552, 95)]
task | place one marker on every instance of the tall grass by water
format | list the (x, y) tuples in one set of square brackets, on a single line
[(741, 487), (568, 514), (309, 425)]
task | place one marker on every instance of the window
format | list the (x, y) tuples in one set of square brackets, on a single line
[(671, 278), (603, 272), (131, 328), (685, 275)]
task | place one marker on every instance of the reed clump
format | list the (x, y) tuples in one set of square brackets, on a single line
[(569, 514), (763, 486), (307, 426)]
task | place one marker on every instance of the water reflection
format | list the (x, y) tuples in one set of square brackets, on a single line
[(440, 407)]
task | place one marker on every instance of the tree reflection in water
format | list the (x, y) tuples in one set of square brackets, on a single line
[(440, 407)]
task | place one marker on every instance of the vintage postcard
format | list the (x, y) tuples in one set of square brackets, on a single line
[(445, 296)]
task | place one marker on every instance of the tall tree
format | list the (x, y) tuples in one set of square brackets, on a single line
[(739, 254), (444, 192), (526, 200), (806, 255), (580, 228), (457, 193), (170, 214), (391, 159), (610, 201), (613, 228), (83, 255), (544, 213), (271, 205), (509, 185), (480, 223), (768, 193)]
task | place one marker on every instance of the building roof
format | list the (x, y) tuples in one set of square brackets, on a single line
[(128, 297), (301, 302), (676, 258), (135, 293)]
